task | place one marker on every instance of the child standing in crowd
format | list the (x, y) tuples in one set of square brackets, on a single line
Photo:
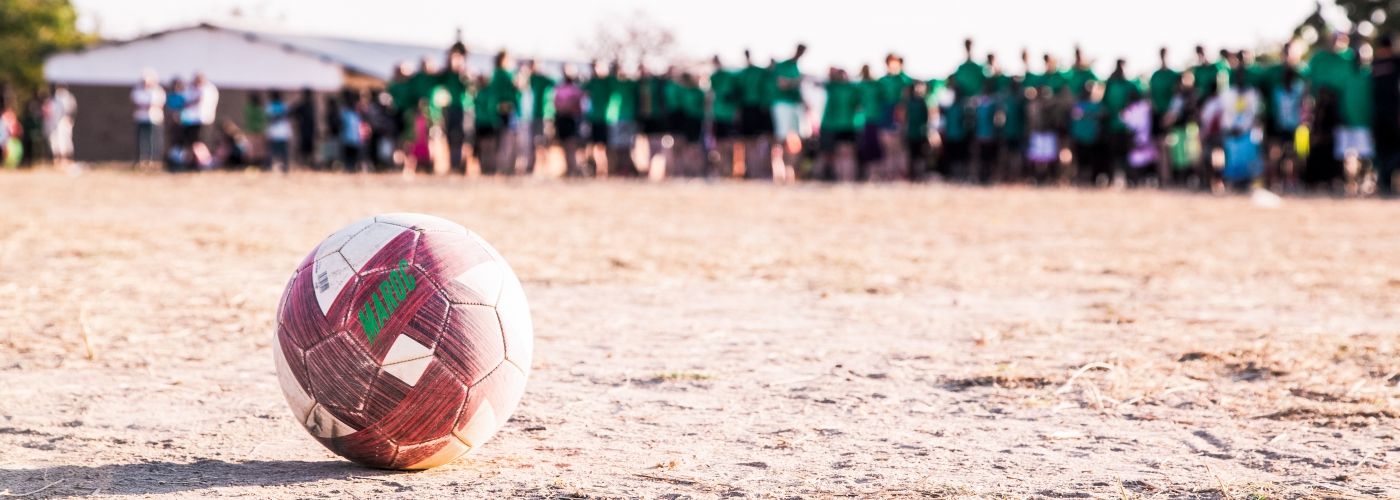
[(893, 93), (148, 103), (724, 115), (1240, 135), (1286, 106), (869, 153), (957, 139), (1138, 120), (352, 136), (598, 90), (1043, 150), (1385, 88), (176, 155), (686, 158), (1013, 129), (622, 124), (986, 114), (1086, 133), (568, 116), (255, 128), (541, 111), (916, 139), (788, 110), (838, 129), (279, 132), (1183, 140), (58, 124)]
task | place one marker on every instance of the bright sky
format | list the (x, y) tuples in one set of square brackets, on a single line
[(927, 32)]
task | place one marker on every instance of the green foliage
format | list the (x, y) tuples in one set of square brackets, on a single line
[(1366, 10), (31, 30)]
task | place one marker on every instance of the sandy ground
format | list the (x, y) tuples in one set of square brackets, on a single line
[(716, 340)]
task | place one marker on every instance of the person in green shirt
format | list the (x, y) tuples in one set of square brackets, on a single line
[(685, 158), (868, 120), (755, 115), (541, 111), (838, 128), (622, 124), (1029, 79), (1119, 92), (916, 139), (1332, 68), (254, 127), (453, 82), (1081, 72), (724, 113), (496, 151), (967, 79), (1085, 132), (1206, 74), (1161, 86), (788, 109), (893, 91), (598, 92), (1001, 82), (1014, 130), (1053, 78), (1358, 111)]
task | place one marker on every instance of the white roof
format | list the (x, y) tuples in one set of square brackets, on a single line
[(248, 59), (229, 59)]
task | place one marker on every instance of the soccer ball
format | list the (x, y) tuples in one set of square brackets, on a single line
[(403, 341)]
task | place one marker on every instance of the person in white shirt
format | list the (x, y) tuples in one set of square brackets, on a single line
[(148, 103), (58, 124), (201, 103)]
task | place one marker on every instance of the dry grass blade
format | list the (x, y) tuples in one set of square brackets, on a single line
[(83, 327), (1081, 371)]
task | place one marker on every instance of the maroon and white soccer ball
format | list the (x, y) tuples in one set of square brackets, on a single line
[(403, 341)]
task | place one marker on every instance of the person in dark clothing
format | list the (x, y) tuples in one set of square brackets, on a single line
[(304, 117), (1323, 168), (1385, 95)]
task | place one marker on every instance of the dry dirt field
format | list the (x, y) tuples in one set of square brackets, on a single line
[(717, 339)]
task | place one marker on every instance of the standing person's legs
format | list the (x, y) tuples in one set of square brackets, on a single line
[(456, 141), (145, 145), (1386, 163)]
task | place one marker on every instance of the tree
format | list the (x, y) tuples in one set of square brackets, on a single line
[(638, 39), (31, 30), (1383, 16)]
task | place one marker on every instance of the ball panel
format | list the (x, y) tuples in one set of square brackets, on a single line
[(332, 274), (289, 363), (320, 422), (421, 222), (336, 240), (430, 409), (383, 396), (338, 372), (429, 455), (367, 447), (514, 314), (371, 242), (444, 257), (484, 281), (471, 344), (302, 320), (490, 403)]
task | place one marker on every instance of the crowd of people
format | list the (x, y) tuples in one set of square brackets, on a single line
[(40, 130), (1327, 120)]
